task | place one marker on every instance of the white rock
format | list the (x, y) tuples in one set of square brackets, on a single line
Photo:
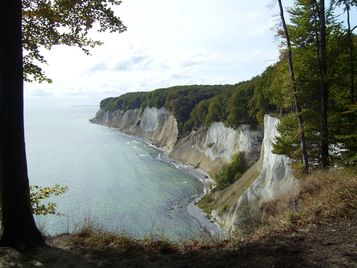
[(159, 126), (275, 179)]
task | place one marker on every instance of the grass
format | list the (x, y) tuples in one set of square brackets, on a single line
[(94, 238), (99, 238), (326, 195), (91, 240), (223, 209), (220, 200), (323, 196), (206, 203)]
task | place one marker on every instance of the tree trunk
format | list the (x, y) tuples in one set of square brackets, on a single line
[(19, 228), (295, 92), (350, 47), (323, 86)]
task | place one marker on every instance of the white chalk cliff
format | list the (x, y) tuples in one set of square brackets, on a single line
[(209, 148), (156, 125), (274, 179)]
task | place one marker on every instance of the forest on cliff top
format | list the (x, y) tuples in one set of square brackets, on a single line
[(321, 92)]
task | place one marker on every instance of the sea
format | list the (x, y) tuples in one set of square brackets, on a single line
[(116, 182)]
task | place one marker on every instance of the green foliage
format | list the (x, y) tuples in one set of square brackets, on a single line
[(342, 114), (47, 23), (345, 135), (288, 141), (195, 106), (198, 116), (266, 94), (210, 145), (132, 100), (237, 105), (230, 107), (270, 92), (207, 203), (181, 100), (217, 110), (38, 194), (231, 172), (223, 209)]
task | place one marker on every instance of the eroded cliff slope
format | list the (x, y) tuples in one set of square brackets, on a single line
[(271, 177), (208, 147), (156, 125), (211, 147)]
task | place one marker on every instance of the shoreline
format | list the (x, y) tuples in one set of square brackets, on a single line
[(207, 225)]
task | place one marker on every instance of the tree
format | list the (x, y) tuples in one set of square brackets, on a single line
[(19, 228), (295, 91), (308, 34), (348, 4), (45, 23), (321, 41), (231, 172)]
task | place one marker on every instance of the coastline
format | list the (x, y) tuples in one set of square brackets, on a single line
[(208, 226)]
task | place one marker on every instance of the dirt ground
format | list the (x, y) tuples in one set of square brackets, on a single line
[(332, 244)]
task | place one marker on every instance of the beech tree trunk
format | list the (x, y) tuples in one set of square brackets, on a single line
[(295, 92), (323, 85), (19, 228), (350, 47)]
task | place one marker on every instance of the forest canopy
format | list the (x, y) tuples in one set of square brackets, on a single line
[(195, 106)]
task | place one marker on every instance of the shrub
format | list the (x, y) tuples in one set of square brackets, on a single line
[(206, 203), (231, 172), (38, 194)]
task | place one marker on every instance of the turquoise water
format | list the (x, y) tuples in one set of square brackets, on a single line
[(115, 181)]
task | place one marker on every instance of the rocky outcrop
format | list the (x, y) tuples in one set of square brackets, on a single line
[(274, 179)]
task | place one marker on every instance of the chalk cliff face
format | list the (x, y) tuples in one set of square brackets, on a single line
[(208, 148), (274, 179), (157, 125)]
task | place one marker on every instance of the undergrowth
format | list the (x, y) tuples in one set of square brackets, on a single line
[(323, 195), (231, 172)]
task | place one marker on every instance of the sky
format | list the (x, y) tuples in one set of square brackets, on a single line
[(167, 43)]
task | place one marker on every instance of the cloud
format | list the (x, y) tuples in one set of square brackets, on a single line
[(215, 43), (196, 59), (99, 67), (138, 60), (180, 76)]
